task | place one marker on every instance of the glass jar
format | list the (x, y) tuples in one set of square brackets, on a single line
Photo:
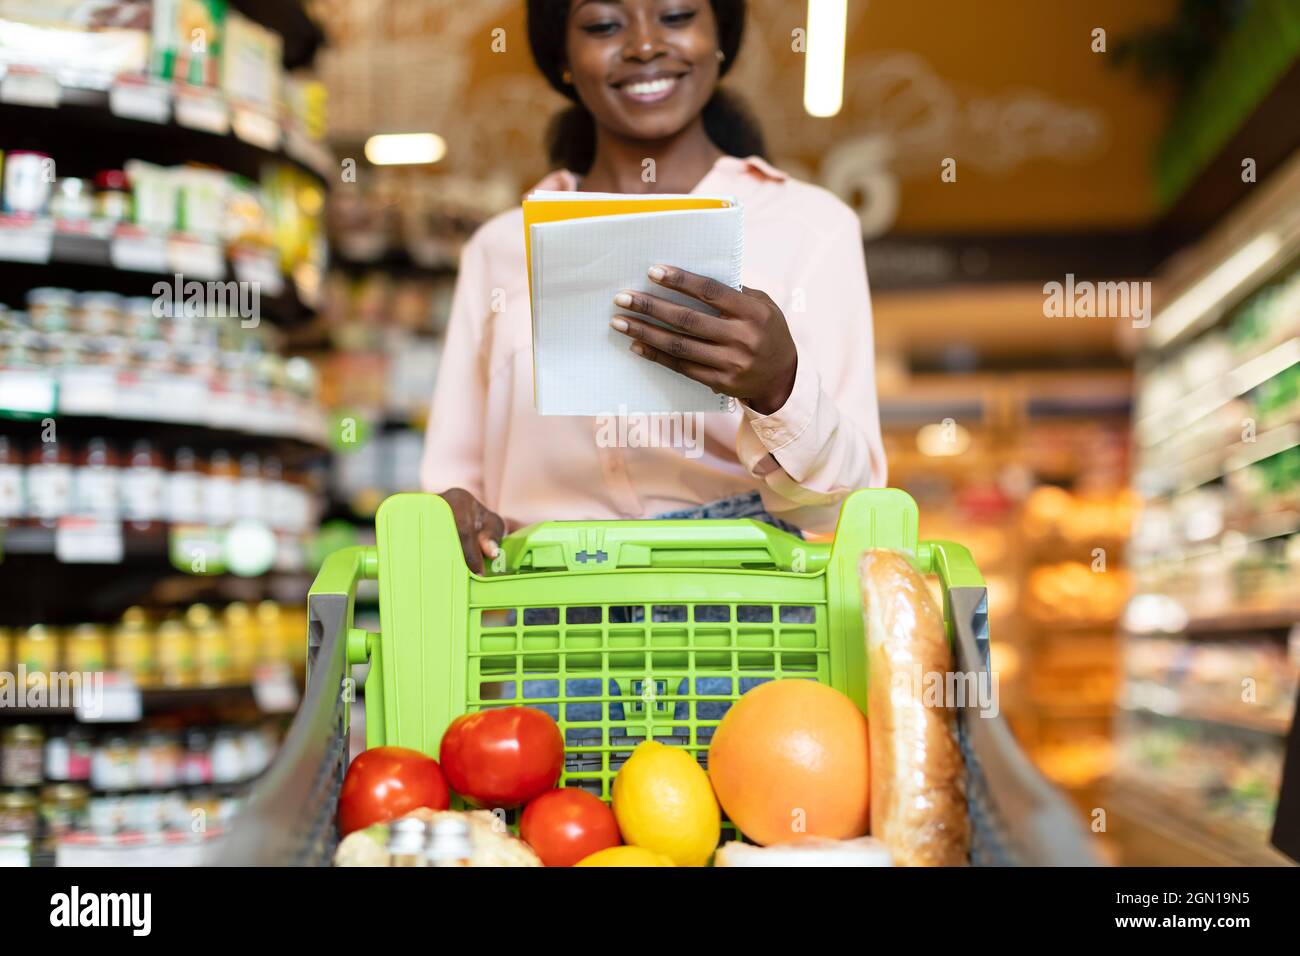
[(212, 646), (50, 309), (13, 498), (73, 199), (22, 752), (99, 313), (112, 196), (185, 488), (219, 489), (140, 321), (133, 648), (242, 632), (113, 765), (85, 649), (144, 486), (18, 815), (49, 483), (177, 666), (37, 650), (96, 481), (65, 809)]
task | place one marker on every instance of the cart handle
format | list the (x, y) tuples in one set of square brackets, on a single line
[(330, 602), (603, 546)]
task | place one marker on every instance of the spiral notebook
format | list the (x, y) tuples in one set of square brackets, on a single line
[(583, 248)]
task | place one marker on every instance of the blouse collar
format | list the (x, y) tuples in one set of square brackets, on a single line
[(562, 180)]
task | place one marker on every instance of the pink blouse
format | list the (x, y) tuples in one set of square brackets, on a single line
[(803, 247)]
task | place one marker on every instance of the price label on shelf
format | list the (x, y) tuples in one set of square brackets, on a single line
[(204, 110), (274, 688), (134, 97), (136, 251), (24, 239), (88, 390), (111, 698), (260, 268), (253, 126), (30, 88), (195, 258), (27, 391), (88, 541), (197, 549)]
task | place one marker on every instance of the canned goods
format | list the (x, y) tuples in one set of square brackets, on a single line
[(86, 649), (100, 313), (21, 753)]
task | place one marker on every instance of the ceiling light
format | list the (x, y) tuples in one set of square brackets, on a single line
[(823, 79), (405, 149)]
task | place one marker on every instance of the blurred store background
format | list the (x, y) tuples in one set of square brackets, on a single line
[(1123, 458)]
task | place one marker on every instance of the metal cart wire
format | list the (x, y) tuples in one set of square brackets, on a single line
[(622, 631)]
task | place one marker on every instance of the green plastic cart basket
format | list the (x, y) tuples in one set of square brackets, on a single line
[(623, 631)]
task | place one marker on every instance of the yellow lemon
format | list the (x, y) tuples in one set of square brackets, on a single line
[(663, 801), (625, 856)]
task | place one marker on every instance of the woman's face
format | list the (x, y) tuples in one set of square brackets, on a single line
[(644, 68)]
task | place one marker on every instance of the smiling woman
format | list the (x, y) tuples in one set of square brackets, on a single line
[(793, 345)]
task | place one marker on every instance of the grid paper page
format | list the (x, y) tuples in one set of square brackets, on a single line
[(581, 365)]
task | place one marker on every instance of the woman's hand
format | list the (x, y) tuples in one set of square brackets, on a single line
[(746, 351), (480, 530)]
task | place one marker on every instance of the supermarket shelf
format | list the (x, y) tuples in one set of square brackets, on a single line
[(152, 700), (1157, 829), (1256, 619), (93, 544), (1244, 720), (1169, 422), (99, 395), (234, 137)]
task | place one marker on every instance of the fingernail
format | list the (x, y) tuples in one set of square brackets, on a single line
[(636, 347), (619, 324), (656, 272), (492, 550), (623, 300)]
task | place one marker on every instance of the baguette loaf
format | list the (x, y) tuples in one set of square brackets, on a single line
[(918, 801)]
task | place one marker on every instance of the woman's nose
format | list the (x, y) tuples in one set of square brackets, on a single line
[(643, 43)]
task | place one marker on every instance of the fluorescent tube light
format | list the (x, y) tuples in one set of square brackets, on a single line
[(823, 79), (405, 149)]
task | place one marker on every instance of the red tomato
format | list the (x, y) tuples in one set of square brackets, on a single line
[(387, 783), (503, 757), (565, 826)]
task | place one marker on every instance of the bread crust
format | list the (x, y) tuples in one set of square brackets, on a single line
[(918, 799)]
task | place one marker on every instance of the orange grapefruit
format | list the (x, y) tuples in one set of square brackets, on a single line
[(789, 760)]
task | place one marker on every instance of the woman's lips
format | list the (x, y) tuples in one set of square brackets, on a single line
[(650, 91)]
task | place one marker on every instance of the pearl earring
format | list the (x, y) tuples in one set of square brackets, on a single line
[(721, 56)]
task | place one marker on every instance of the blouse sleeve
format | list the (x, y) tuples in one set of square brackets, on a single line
[(824, 442), (453, 442)]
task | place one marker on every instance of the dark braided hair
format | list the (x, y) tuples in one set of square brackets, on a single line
[(571, 135)]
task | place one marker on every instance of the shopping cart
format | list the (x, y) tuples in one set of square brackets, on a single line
[(622, 631)]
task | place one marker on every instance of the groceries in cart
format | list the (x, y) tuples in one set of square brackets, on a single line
[(794, 766)]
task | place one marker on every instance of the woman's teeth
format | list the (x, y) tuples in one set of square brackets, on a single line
[(650, 89)]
